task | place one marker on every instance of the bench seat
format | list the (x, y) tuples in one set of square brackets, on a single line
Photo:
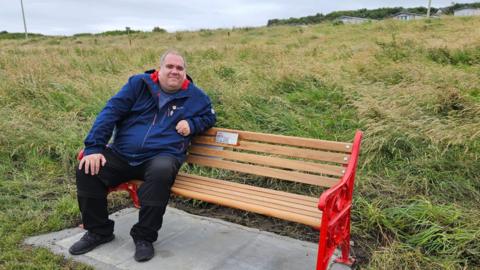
[(288, 206)]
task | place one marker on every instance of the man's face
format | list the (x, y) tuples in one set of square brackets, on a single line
[(172, 73)]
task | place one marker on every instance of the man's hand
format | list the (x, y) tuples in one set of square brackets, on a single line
[(92, 163), (183, 128)]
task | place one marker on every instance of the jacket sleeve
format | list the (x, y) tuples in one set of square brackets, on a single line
[(204, 119), (115, 109)]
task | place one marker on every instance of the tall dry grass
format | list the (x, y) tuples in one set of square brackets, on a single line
[(412, 87)]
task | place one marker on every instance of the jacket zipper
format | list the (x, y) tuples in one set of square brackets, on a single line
[(148, 131)]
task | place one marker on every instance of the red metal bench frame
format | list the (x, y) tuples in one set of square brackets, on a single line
[(335, 204)]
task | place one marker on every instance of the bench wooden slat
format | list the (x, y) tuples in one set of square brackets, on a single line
[(264, 171), (297, 198), (291, 197), (287, 140), (265, 196), (270, 161), (247, 199), (268, 211), (280, 150)]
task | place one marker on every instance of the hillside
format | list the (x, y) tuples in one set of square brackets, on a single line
[(412, 87), (374, 14)]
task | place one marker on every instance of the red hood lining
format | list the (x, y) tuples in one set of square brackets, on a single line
[(154, 77)]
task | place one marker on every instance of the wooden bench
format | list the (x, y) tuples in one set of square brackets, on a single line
[(315, 162)]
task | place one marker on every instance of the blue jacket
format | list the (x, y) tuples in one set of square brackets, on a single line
[(145, 117)]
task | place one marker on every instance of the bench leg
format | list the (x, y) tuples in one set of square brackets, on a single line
[(132, 191), (345, 247), (334, 235)]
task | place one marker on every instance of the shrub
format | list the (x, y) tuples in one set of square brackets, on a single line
[(445, 56), (157, 29)]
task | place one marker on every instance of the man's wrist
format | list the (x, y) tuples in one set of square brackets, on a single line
[(191, 126), (93, 150)]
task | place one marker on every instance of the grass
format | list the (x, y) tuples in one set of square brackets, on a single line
[(412, 87)]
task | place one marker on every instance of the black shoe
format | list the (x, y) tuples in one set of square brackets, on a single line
[(143, 251), (88, 242)]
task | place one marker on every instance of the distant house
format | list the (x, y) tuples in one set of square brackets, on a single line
[(352, 20), (441, 11), (408, 16), (467, 12)]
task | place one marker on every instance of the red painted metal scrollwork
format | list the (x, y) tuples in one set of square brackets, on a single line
[(335, 204)]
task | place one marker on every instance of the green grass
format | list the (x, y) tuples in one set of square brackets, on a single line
[(412, 87)]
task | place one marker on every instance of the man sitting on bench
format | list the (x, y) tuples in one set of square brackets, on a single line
[(155, 116)]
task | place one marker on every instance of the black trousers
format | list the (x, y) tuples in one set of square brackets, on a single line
[(158, 175)]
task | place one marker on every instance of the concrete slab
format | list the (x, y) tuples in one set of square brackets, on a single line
[(189, 242)]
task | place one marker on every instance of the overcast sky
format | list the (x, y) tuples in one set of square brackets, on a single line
[(67, 17)]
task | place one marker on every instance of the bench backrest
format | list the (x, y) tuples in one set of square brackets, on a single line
[(303, 160)]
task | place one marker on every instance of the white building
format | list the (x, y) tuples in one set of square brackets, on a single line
[(441, 12), (408, 16), (467, 12), (352, 20)]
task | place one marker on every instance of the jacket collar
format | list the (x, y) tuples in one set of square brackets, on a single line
[(154, 78), (151, 81)]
